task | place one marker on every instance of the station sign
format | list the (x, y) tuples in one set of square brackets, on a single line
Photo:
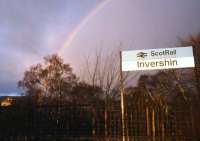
[(154, 59)]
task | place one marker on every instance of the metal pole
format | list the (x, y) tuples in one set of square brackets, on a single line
[(122, 98)]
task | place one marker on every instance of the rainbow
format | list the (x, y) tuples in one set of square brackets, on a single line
[(76, 30)]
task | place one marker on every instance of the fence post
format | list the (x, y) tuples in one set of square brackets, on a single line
[(153, 124), (147, 121)]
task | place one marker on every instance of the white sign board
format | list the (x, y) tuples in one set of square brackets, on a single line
[(151, 59)]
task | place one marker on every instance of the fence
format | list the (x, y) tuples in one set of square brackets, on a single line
[(143, 122)]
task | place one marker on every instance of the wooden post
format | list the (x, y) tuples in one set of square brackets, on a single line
[(147, 121), (122, 98), (153, 124), (162, 123)]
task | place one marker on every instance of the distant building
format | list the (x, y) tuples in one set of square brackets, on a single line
[(6, 101)]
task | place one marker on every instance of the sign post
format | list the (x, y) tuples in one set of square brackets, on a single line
[(122, 98)]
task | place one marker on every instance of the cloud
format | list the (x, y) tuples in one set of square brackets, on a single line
[(31, 29)]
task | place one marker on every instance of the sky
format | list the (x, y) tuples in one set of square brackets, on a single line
[(32, 29)]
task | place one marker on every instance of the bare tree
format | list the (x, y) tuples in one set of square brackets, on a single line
[(103, 70)]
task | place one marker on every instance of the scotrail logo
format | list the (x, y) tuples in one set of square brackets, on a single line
[(141, 55)]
